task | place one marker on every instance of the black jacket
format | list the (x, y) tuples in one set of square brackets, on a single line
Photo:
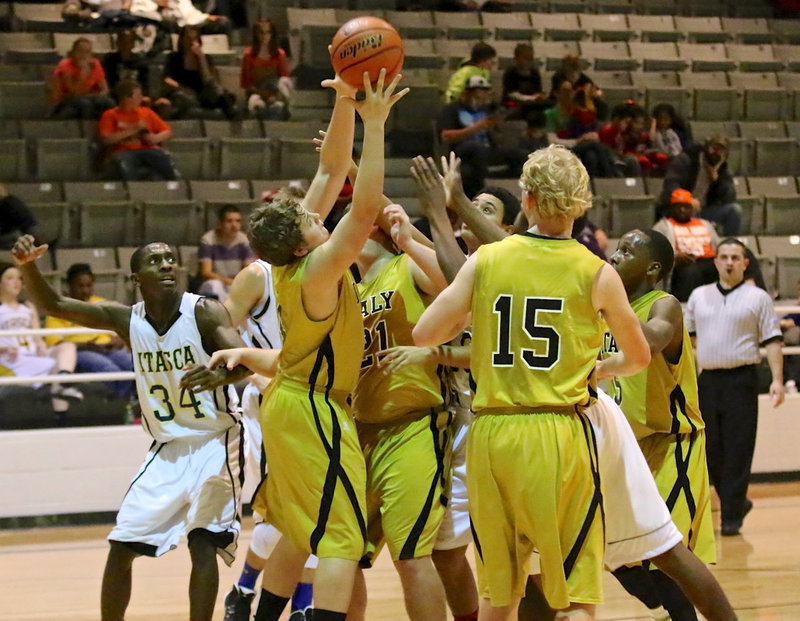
[(683, 172)]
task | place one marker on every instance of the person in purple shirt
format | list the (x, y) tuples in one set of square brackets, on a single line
[(224, 252)]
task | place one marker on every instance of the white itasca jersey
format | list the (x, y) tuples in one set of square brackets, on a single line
[(263, 329), (169, 412), (17, 318)]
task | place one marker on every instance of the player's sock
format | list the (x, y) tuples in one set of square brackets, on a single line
[(638, 582), (473, 616), (302, 596), (270, 606), (673, 598), (248, 578), (327, 615)]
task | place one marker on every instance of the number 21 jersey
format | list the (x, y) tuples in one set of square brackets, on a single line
[(536, 335), (160, 360)]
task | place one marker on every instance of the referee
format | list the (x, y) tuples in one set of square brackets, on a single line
[(729, 320)]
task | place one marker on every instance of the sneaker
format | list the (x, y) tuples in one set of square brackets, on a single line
[(68, 393), (237, 604)]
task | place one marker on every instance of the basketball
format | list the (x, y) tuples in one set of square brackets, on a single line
[(366, 44)]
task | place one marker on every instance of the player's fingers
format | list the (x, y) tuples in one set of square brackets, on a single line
[(379, 87), (393, 84), (367, 85), (398, 96)]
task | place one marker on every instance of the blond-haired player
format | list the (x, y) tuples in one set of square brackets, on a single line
[(536, 301)]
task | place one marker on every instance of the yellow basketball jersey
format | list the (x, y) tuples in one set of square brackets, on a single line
[(391, 306), (663, 397), (535, 335), (325, 354)]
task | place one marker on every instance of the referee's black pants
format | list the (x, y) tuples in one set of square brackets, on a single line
[(729, 403)]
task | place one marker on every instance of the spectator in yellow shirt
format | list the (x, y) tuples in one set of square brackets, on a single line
[(97, 353)]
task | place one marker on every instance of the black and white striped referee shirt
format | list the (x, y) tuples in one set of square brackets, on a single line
[(731, 324)]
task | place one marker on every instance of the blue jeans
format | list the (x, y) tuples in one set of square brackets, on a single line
[(113, 361), (728, 216)]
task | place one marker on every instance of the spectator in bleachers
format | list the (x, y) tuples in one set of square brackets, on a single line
[(28, 356), (176, 14), (522, 84), (611, 135), (15, 219), (703, 171), (482, 60), (265, 73), (694, 241), (564, 129), (191, 80), (78, 87), (125, 63), (463, 126), (635, 142), (671, 135), (134, 135), (224, 252), (97, 353), (571, 70)]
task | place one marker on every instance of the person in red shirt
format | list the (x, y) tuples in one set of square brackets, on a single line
[(78, 87), (134, 134), (695, 243), (265, 73)]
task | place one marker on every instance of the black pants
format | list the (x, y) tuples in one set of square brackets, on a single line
[(729, 402)]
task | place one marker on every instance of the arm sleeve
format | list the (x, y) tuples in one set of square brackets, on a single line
[(768, 325)]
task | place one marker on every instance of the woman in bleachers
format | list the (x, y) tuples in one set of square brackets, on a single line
[(265, 73), (78, 86), (125, 63), (27, 356), (191, 80)]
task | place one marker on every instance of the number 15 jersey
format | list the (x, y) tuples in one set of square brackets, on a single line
[(160, 360), (536, 335)]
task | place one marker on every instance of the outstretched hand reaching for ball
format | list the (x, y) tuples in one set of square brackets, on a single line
[(378, 101), (25, 250), (342, 88)]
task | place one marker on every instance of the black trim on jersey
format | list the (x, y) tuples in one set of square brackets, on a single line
[(147, 425), (682, 484), (475, 539), (170, 323), (264, 336), (540, 236), (595, 503), (260, 314), (146, 466), (228, 409), (236, 505), (335, 471), (410, 546), (725, 292)]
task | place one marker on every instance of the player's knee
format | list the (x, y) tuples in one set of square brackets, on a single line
[(203, 544), (411, 568)]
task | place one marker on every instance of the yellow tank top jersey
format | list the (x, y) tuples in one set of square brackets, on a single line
[(391, 306), (327, 353), (662, 398), (535, 333)]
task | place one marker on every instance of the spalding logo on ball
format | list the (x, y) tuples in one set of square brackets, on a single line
[(366, 44)]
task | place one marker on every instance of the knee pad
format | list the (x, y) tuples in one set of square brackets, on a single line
[(265, 537)]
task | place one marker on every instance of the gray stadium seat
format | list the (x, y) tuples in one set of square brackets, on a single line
[(109, 278), (297, 159), (247, 128), (13, 159), (246, 157), (39, 16), (660, 56), (422, 54), (787, 276), (23, 100), (706, 57), (193, 157), (514, 26), (259, 186), (701, 29), (220, 191), (63, 159), (654, 28), (116, 223), (606, 26), (415, 24), (626, 202), (748, 30), (46, 201), (763, 99), (453, 51), (176, 223), (187, 128), (141, 191), (558, 26), (101, 42), (759, 58), (553, 52), (780, 202), (609, 55), (461, 25)]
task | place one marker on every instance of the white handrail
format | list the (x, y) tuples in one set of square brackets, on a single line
[(68, 378), (52, 332)]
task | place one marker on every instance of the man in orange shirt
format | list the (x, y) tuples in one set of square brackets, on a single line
[(695, 243), (134, 135)]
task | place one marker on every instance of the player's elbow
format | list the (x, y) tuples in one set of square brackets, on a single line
[(422, 335), (640, 356)]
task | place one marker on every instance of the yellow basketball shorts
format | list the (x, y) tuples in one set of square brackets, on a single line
[(534, 485), (314, 492), (678, 464), (407, 467)]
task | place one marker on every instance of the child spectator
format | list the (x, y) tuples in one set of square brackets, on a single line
[(482, 60), (97, 353), (611, 136), (668, 131), (134, 134), (78, 87), (522, 84), (27, 356), (265, 73), (191, 79)]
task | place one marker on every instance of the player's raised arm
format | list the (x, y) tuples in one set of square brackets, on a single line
[(102, 315), (332, 258), (431, 192), (425, 270), (214, 324), (448, 314), (335, 152), (609, 299), (244, 292)]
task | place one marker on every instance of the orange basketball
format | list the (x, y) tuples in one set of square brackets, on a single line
[(366, 44)]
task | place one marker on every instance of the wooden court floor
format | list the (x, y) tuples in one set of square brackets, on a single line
[(53, 574)]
